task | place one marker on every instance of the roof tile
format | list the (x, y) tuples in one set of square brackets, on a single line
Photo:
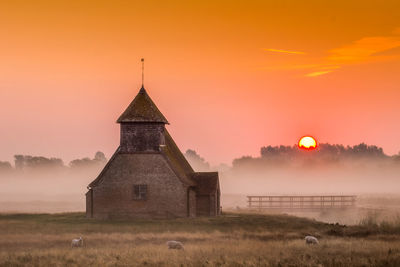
[(142, 109)]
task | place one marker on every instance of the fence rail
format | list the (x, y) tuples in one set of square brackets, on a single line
[(301, 202)]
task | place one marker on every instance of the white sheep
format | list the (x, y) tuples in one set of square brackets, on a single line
[(311, 240), (77, 242), (174, 245)]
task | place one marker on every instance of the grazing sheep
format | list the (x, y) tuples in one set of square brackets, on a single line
[(311, 240), (174, 245), (77, 242)]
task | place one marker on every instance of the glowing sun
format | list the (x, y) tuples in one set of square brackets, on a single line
[(307, 142)]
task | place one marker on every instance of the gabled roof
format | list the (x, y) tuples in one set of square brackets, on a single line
[(172, 154), (98, 178), (207, 182), (142, 109), (177, 160)]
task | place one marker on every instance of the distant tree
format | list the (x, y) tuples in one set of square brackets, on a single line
[(364, 150), (5, 166), (19, 162), (198, 163), (273, 156), (243, 161), (396, 158), (330, 153), (33, 162), (100, 157), (280, 153), (81, 163), (98, 161)]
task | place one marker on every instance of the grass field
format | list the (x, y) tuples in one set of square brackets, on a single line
[(234, 239)]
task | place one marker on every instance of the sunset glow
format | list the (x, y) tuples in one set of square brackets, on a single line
[(307, 142), (207, 67), (277, 121)]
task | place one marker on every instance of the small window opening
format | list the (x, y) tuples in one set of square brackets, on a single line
[(140, 192)]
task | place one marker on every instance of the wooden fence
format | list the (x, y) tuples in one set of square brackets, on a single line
[(301, 202)]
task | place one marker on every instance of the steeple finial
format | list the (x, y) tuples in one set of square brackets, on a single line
[(142, 60)]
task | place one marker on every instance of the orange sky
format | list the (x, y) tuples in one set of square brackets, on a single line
[(230, 76)]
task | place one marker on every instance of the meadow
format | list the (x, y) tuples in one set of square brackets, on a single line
[(233, 239)]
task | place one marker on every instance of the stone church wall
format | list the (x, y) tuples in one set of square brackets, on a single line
[(113, 197)]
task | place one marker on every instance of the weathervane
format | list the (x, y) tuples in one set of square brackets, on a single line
[(142, 60)]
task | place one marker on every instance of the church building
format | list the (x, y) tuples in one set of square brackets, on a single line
[(148, 176)]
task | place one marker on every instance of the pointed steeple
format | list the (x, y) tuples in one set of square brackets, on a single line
[(142, 109)]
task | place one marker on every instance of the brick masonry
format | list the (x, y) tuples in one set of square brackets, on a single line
[(147, 155)]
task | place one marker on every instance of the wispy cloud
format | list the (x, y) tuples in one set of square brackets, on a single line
[(318, 73), (284, 51), (304, 67), (361, 51)]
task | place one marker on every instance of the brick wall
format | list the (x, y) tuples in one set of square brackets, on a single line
[(89, 204), (203, 205), (166, 194), (192, 203), (141, 137)]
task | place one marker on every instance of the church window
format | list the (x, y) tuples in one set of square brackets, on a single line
[(140, 192)]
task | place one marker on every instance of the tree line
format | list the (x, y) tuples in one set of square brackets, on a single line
[(269, 156), (28, 162), (282, 156), (324, 154)]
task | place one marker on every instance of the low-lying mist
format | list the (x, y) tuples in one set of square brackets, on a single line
[(360, 170), (329, 169), (38, 184)]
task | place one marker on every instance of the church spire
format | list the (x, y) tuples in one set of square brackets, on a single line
[(142, 108)]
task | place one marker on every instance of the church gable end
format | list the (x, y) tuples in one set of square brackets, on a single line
[(137, 185), (207, 193)]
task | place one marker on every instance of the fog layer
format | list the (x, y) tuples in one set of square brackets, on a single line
[(37, 184)]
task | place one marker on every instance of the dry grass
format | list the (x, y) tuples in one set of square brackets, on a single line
[(230, 240)]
